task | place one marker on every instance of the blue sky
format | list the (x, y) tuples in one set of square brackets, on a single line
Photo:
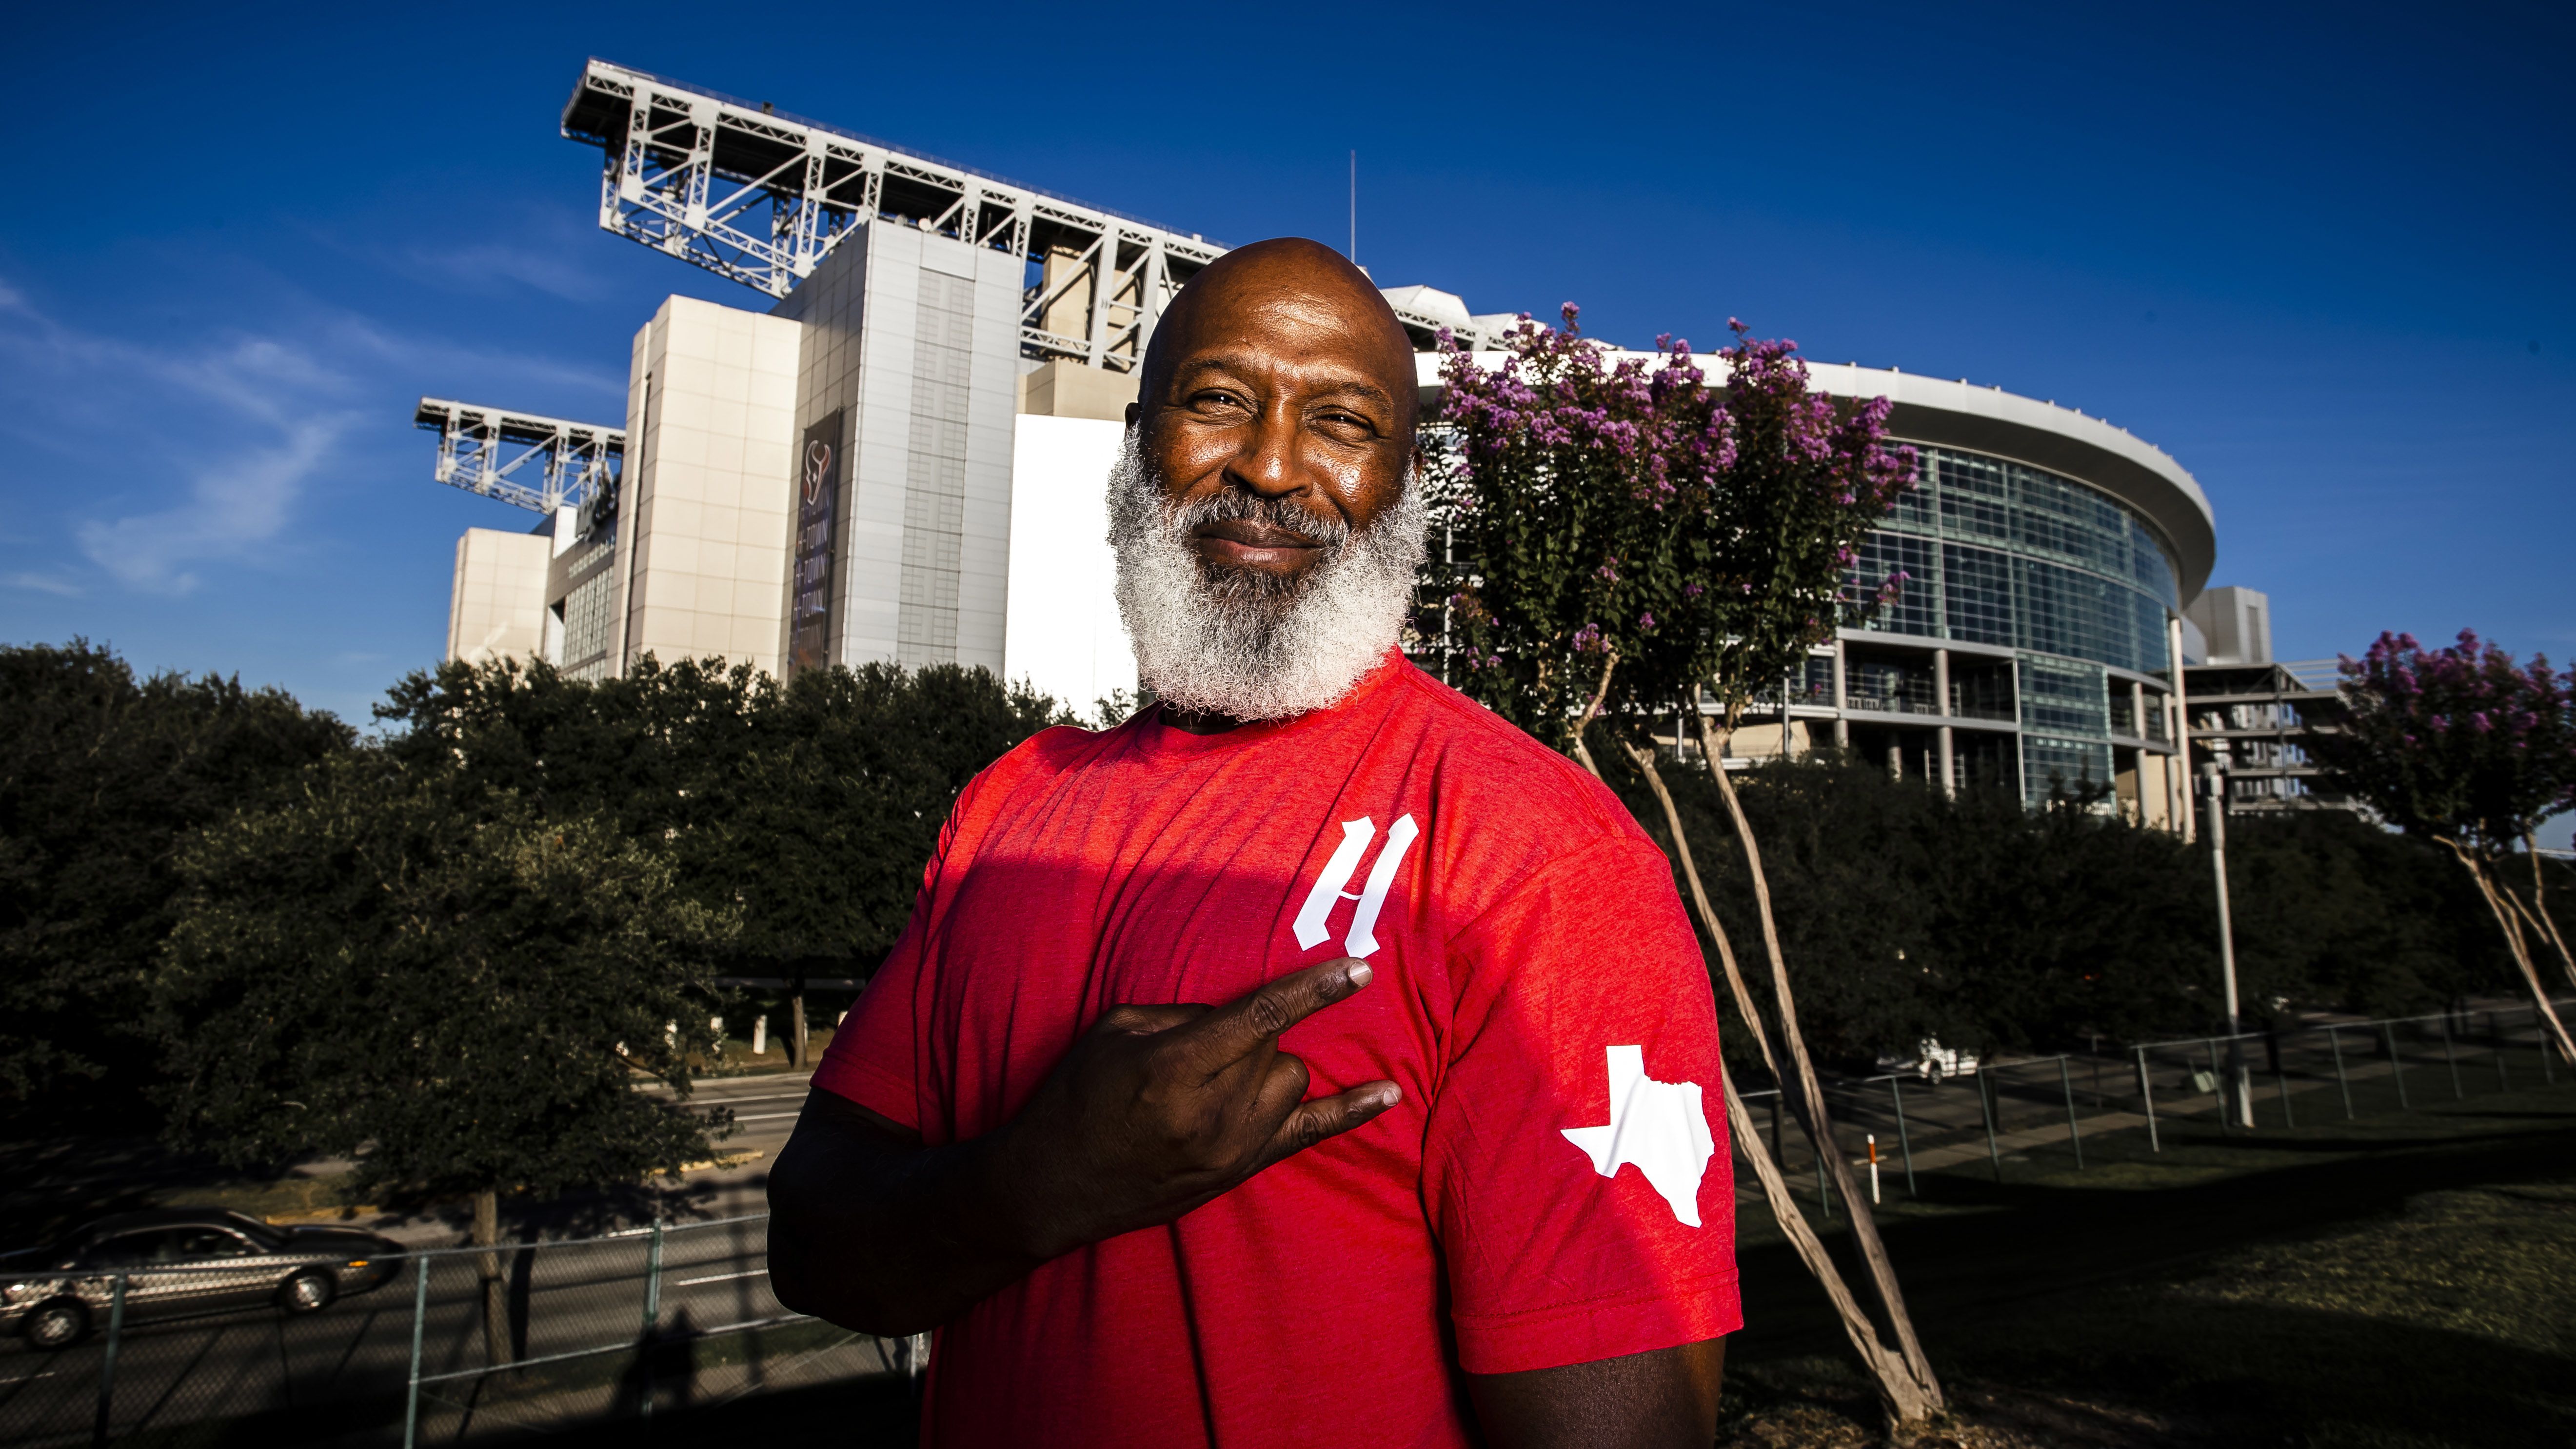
[(2321, 258)]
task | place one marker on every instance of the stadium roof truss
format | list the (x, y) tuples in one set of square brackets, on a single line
[(537, 463), (748, 193)]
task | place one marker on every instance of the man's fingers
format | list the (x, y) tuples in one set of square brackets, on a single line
[(1331, 1116), (1247, 1023), (1147, 1020)]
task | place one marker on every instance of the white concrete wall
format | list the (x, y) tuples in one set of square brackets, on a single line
[(1063, 633), (497, 605), (703, 527)]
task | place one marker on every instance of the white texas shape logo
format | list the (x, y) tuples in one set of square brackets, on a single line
[(1657, 1127)]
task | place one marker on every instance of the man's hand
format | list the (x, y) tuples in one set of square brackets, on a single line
[(1155, 1111), (1159, 1109)]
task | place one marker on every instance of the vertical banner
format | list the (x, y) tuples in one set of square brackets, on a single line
[(818, 524)]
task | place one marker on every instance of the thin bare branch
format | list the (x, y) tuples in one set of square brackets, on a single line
[(1805, 1093), (1645, 762)]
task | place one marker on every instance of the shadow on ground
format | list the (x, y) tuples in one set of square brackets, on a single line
[(2395, 1281)]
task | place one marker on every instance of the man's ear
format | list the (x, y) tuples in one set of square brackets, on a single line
[(1132, 410)]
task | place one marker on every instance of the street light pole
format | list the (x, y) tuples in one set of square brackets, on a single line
[(2216, 770)]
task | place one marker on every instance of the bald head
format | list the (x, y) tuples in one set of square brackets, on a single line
[(1292, 294)]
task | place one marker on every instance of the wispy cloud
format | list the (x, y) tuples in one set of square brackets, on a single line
[(206, 452), (233, 507), (265, 413), (44, 583), (478, 266)]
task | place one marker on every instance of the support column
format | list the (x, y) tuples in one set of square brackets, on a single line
[(1949, 766), (1942, 705), (1842, 694), (2178, 774)]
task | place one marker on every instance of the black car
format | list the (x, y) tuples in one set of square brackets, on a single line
[(182, 1261)]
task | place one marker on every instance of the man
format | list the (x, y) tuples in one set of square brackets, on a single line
[(1383, 1194)]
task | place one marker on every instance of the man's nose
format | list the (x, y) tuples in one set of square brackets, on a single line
[(1267, 464)]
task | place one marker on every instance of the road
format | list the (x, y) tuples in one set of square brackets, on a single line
[(340, 1376)]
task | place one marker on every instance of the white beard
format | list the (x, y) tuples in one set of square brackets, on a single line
[(1245, 645)]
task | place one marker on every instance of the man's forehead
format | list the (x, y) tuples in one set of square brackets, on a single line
[(1287, 299)]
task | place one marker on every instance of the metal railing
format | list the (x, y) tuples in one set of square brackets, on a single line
[(671, 1315), (2041, 1110)]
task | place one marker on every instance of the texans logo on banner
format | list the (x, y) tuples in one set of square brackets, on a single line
[(818, 466)]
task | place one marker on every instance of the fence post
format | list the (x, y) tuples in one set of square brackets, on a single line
[(419, 1315), (2281, 1074), (2147, 1095), (2548, 1072), (107, 1364), (2495, 1043), (1779, 1154), (1904, 1144), (1992, 1151), (2066, 1080), (2452, 1057), (652, 1313), (2218, 1086), (2334, 1039), (2396, 1066)]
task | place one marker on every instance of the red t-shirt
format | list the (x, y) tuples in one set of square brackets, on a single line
[(1530, 952)]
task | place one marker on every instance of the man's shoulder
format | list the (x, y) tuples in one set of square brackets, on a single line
[(1042, 756), (1479, 751), (1472, 736)]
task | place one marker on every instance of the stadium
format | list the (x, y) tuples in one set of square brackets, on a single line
[(899, 453)]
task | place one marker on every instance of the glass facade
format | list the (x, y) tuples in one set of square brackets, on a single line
[(2015, 557), (1998, 552)]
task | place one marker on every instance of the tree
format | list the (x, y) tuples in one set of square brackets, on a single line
[(456, 1001), (1623, 543), (808, 809), (102, 775), (2466, 748)]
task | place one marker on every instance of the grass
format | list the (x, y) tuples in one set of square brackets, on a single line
[(2400, 1280)]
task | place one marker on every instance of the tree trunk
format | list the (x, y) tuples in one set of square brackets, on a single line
[(2541, 920), (796, 1024), (1898, 1388), (1806, 1095), (1645, 762), (1902, 1391), (496, 1296), (2503, 908)]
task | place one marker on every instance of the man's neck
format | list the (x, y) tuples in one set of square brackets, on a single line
[(1198, 723)]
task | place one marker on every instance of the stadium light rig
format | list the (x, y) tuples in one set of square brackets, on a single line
[(751, 193), (491, 451)]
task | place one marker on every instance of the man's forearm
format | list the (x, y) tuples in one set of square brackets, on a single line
[(889, 1237)]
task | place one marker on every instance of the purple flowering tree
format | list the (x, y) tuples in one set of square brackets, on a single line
[(1618, 541), (2464, 747)]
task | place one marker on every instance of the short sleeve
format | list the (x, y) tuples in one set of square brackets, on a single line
[(875, 1057), (1575, 1165)]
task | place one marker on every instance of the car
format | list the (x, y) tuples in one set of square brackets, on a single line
[(178, 1262)]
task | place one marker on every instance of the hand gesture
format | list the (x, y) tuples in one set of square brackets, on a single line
[(1158, 1109)]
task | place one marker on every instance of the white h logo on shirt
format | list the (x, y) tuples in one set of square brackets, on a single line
[(1328, 892)]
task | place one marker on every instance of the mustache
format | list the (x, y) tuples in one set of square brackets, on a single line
[(1233, 505)]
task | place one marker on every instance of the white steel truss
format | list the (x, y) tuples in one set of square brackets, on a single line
[(489, 451), (761, 197)]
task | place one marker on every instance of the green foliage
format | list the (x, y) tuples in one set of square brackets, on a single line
[(102, 775), (1990, 926), (2332, 910), (439, 994), (808, 808)]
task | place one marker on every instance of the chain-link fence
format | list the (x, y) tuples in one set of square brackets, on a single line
[(2041, 1110), (429, 1347)]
